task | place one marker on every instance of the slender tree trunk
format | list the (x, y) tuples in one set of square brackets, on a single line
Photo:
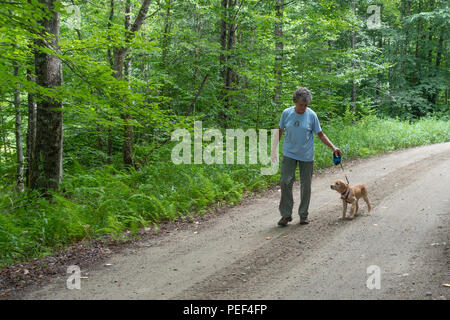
[(438, 63), (110, 20), (78, 31), (227, 34), (109, 143), (165, 43), (2, 123), (389, 69), (405, 11), (430, 68), (229, 74), (46, 169), (166, 32), (259, 102), (196, 51), (223, 37), (120, 54), (414, 79), (31, 129), (279, 47), (19, 138), (32, 115), (379, 75), (109, 146), (353, 62), (192, 107), (403, 47), (223, 114), (127, 150)]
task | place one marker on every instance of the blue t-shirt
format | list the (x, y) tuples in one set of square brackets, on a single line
[(299, 128)]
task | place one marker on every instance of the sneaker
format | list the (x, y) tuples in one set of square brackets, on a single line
[(284, 221), (304, 221)]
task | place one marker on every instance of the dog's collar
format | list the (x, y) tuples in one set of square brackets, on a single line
[(345, 194)]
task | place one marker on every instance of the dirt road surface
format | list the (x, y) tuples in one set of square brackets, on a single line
[(243, 254)]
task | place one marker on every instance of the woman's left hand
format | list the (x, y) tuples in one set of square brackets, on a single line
[(337, 151)]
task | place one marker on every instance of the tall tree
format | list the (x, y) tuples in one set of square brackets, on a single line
[(279, 46), (31, 128), (120, 54), (46, 168), (19, 138), (228, 29), (353, 60), (167, 29)]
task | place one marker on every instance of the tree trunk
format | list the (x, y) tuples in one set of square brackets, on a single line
[(230, 44), (3, 133), (109, 145), (110, 20), (353, 63), (406, 9), (227, 34), (223, 37), (127, 149), (438, 63), (46, 169), (279, 47), (223, 114), (111, 63), (431, 72), (192, 107), (119, 60), (165, 43), (31, 129), (19, 138), (379, 75), (166, 33)]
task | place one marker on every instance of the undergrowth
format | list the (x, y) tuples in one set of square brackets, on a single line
[(106, 201)]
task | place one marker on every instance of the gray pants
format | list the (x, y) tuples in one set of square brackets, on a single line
[(288, 167)]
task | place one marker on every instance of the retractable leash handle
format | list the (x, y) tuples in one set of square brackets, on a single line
[(337, 160)]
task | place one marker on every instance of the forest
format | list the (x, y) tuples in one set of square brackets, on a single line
[(91, 91)]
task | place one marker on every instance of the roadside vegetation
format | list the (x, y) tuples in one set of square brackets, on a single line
[(98, 202)]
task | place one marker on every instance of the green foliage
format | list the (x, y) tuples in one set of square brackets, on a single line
[(106, 201), (372, 135), (400, 71)]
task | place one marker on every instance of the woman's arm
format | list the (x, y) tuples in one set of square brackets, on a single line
[(276, 141), (328, 143)]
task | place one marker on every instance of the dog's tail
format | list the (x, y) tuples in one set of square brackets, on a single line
[(365, 197)]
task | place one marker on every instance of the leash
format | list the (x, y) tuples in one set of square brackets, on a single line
[(337, 160), (344, 173)]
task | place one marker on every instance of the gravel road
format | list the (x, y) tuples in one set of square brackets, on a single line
[(243, 254)]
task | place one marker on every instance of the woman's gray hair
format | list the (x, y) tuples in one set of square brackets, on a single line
[(302, 94)]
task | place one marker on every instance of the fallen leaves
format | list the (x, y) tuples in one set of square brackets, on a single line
[(16, 277)]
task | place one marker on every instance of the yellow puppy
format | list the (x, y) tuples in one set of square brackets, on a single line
[(351, 195)]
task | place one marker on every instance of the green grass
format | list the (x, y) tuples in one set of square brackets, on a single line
[(105, 201), (372, 136)]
